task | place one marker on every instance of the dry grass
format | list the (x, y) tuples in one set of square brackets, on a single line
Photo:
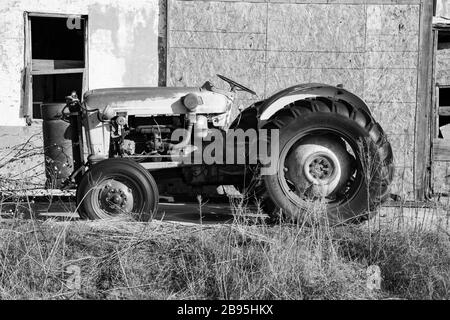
[(119, 259), (159, 260)]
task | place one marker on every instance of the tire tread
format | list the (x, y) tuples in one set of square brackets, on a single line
[(360, 116)]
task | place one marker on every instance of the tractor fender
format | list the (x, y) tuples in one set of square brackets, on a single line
[(267, 108)]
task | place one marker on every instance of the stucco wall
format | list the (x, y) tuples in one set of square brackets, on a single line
[(122, 40), (371, 47), (123, 51)]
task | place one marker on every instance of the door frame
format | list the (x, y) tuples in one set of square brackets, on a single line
[(27, 105)]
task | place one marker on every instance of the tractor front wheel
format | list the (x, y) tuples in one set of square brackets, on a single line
[(116, 187)]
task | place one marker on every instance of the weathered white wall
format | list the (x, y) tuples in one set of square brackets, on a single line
[(443, 8), (123, 45), (123, 51)]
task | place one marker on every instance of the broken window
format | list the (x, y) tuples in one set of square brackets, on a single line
[(56, 55), (442, 78), (54, 88), (444, 111)]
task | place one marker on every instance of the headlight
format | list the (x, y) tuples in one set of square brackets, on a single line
[(191, 101)]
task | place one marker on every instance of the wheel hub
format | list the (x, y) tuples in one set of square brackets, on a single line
[(317, 166), (115, 197), (321, 168)]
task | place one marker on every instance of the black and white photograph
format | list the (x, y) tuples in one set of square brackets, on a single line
[(225, 156)]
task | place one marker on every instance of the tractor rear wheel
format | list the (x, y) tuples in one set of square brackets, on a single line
[(332, 152), (116, 187)]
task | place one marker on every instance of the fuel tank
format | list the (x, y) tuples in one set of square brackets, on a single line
[(57, 145)]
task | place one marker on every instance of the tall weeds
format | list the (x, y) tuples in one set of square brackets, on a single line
[(242, 260), (246, 259)]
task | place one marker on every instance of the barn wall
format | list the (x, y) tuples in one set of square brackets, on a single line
[(371, 47)]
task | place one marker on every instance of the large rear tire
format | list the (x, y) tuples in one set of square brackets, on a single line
[(332, 151), (116, 187)]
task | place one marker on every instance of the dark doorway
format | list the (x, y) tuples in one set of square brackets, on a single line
[(58, 58)]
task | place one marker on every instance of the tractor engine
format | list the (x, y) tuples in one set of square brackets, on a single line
[(154, 138), (151, 139), (146, 136)]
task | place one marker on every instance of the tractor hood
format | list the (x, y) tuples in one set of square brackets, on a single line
[(144, 101)]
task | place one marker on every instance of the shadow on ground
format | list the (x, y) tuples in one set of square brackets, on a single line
[(216, 212), (65, 209)]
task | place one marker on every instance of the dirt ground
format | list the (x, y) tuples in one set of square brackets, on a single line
[(217, 213)]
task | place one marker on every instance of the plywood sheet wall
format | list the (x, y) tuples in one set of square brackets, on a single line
[(443, 66), (371, 47)]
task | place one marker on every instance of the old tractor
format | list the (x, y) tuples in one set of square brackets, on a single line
[(321, 141)]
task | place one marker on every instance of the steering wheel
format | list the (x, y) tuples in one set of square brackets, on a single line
[(234, 84)]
